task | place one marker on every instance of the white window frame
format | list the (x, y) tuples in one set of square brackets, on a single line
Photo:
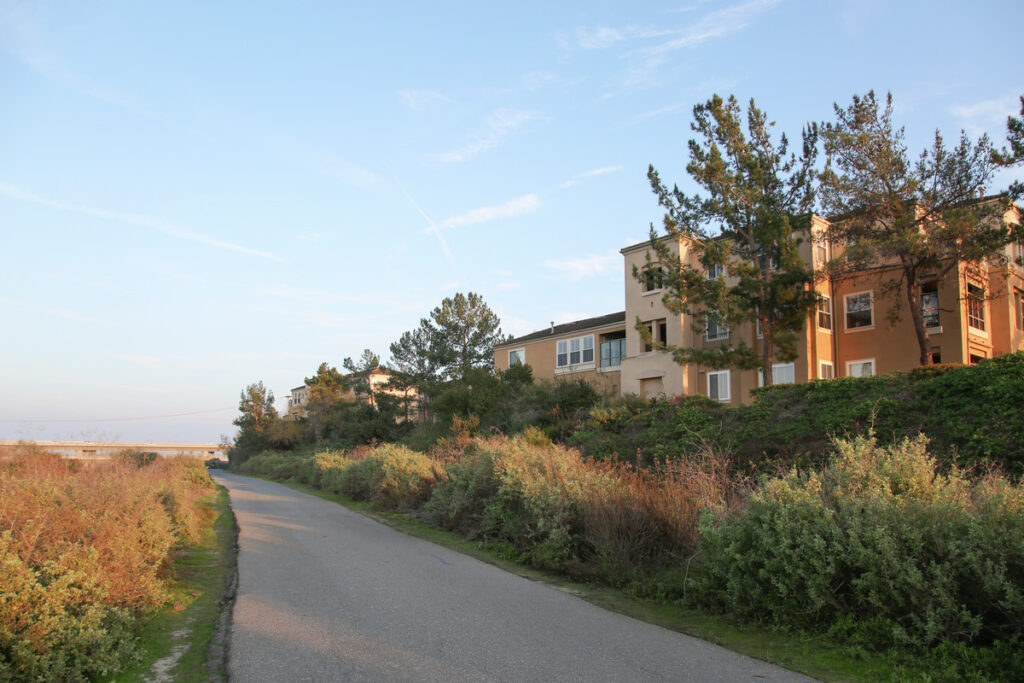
[(728, 384), (775, 368), (827, 300), (831, 368), (851, 363), (717, 270), (980, 331), (824, 247), (575, 345), (520, 352), (722, 330), (846, 311)]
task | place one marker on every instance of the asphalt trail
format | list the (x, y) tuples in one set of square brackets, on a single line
[(326, 594)]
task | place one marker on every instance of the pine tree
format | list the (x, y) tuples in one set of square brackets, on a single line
[(747, 225)]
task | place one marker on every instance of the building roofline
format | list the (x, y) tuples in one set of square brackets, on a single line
[(575, 326), (646, 244)]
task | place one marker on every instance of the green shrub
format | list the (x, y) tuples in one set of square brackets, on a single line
[(879, 540), (56, 623), (272, 465), (320, 470), (392, 476), (462, 493), (522, 491)]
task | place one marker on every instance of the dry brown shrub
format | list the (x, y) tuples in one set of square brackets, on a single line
[(131, 516), (649, 518)]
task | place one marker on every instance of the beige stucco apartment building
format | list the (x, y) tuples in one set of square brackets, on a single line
[(973, 314)]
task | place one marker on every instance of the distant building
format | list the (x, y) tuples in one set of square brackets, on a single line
[(378, 381), (974, 313)]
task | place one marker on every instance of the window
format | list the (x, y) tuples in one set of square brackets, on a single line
[(653, 278), (516, 357), (782, 373), (859, 311), (930, 304), (936, 357), (715, 330), (1020, 309), (574, 351), (715, 271), (613, 350), (860, 368), (825, 312), (825, 370), (718, 385), (976, 307), (820, 254), (570, 352), (975, 359), (658, 330)]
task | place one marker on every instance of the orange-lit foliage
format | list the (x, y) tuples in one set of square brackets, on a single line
[(82, 549)]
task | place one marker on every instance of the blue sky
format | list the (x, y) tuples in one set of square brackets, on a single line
[(195, 196)]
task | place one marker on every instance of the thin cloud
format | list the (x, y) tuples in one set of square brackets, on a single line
[(151, 362), (987, 114), (715, 25), (19, 37), (598, 38), (525, 204), (579, 177), (593, 265), (499, 125), (418, 100), (603, 37), (644, 55), (48, 310), (138, 220), (640, 118), (431, 225)]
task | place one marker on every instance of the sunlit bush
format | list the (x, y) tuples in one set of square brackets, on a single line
[(391, 475), (83, 551)]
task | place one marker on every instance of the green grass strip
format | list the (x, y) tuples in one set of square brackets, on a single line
[(186, 639)]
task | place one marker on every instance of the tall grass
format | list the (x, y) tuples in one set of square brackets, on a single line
[(82, 551)]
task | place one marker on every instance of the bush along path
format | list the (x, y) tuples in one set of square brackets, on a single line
[(882, 552), (96, 560)]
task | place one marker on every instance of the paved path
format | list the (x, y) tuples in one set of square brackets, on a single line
[(326, 594)]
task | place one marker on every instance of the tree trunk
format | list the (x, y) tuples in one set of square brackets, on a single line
[(924, 342)]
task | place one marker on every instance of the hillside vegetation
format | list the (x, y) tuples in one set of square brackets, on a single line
[(973, 415), (884, 514)]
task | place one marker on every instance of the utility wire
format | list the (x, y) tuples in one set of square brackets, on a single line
[(127, 419)]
